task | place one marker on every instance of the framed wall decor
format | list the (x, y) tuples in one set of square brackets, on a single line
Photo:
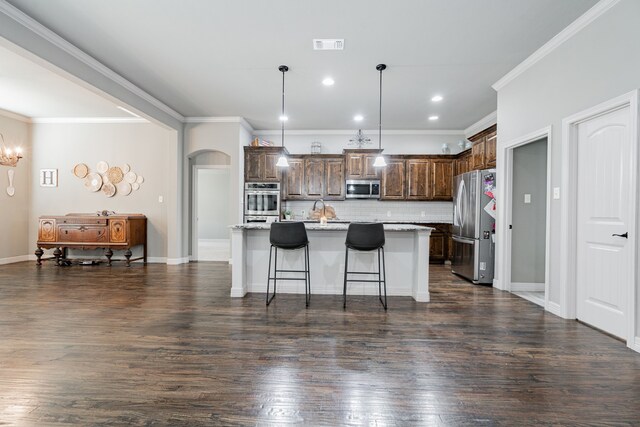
[(48, 177)]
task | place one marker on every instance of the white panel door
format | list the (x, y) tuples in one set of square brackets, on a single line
[(604, 267)]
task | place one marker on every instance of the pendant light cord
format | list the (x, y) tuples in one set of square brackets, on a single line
[(282, 119), (380, 115)]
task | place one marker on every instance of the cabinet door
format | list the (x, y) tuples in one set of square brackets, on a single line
[(442, 181), (490, 150), (477, 155), (393, 180), (334, 179), (117, 231), (47, 230), (437, 247), (314, 178), (253, 166), (271, 171), (418, 179), (370, 172), (294, 182), (355, 165)]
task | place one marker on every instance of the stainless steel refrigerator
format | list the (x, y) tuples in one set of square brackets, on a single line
[(474, 226)]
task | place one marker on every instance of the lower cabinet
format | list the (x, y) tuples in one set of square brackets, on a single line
[(440, 246)]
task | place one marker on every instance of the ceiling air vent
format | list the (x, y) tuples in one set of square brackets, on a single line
[(328, 44)]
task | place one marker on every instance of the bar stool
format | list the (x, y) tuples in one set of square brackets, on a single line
[(366, 238), (289, 236)]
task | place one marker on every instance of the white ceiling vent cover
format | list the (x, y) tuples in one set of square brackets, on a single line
[(328, 44)]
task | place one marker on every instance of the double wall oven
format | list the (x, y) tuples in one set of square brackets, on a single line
[(261, 201)]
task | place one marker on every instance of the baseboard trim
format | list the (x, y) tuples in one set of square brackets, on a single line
[(554, 308), (635, 346), (177, 261), (238, 292), (156, 260), (527, 287), (14, 259)]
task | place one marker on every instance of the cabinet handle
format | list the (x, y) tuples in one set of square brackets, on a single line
[(625, 235)]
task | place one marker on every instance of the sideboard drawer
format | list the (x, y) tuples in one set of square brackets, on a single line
[(83, 234)]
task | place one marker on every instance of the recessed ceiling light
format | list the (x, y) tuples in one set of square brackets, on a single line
[(358, 118), (433, 118), (284, 118), (437, 98), (328, 81)]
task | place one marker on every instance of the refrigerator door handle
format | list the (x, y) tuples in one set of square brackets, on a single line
[(463, 240)]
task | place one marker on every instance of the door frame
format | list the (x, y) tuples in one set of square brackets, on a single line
[(194, 206), (569, 209), (505, 258)]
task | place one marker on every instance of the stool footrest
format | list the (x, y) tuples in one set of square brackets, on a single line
[(288, 278)]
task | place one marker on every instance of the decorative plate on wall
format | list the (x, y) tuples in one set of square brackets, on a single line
[(109, 190), (80, 170), (115, 175), (93, 182), (124, 188), (125, 168), (135, 186), (140, 179), (131, 177), (102, 167)]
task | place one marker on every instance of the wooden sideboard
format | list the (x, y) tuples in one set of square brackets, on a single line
[(90, 231)]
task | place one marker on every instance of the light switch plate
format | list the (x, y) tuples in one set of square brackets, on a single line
[(527, 198), (556, 193), (160, 199)]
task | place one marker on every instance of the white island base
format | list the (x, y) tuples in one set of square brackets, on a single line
[(406, 255)]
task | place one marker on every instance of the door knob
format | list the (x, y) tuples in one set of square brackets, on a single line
[(625, 235)]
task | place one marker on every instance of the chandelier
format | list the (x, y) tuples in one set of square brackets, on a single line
[(9, 157), (360, 140)]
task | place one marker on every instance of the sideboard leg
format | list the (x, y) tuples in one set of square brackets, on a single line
[(58, 254), (127, 255), (39, 252), (108, 253)]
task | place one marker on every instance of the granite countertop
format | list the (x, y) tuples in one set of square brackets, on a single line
[(384, 221), (333, 226)]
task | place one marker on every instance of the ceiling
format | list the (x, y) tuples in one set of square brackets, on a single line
[(34, 91), (220, 57)]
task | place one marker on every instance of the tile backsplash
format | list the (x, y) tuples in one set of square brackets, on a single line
[(375, 210)]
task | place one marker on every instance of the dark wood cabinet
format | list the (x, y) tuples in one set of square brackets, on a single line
[(490, 150), (359, 164), (294, 185), (260, 164), (392, 182), (335, 188), (463, 162), (440, 247), (477, 154), (315, 177), (418, 179), (442, 179)]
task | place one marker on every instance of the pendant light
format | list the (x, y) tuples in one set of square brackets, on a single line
[(380, 162), (282, 160)]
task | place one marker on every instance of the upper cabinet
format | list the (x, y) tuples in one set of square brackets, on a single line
[(392, 182), (260, 164), (315, 177), (418, 179), (483, 150), (442, 179), (359, 164)]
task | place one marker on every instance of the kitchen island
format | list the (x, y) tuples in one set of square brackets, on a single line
[(406, 255)]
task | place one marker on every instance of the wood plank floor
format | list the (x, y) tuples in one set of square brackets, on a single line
[(166, 345)]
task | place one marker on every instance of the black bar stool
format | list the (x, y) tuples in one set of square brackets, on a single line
[(289, 236), (366, 237)]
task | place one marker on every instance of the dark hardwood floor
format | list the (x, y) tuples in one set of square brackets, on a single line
[(167, 345)]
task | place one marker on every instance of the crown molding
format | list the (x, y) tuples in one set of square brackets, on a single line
[(352, 132), (86, 120), (53, 38), (489, 120), (222, 119), (14, 116), (571, 30)]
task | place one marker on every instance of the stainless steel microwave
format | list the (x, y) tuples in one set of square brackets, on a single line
[(363, 189)]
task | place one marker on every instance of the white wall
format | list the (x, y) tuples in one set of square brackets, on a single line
[(597, 64), (14, 211), (528, 219), (399, 142), (212, 195), (149, 150)]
